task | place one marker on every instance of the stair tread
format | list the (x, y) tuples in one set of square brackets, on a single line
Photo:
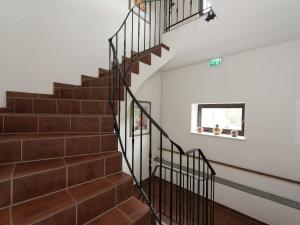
[(40, 208), (90, 189), (119, 178), (26, 168), (135, 212), (87, 158), (134, 209), (6, 171), (5, 217), (115, 217), (34, 136)]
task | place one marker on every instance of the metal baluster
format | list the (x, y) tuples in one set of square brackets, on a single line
[(165, 190), (160, 180), (193, 215), (132, 134), (198, 196), (131, 36), (171, 192), (141, 148), (139, 28), (203, 190), (155, 20), (176, 219), (159, 31), (150, 21), (191, 6), (183, 2), (145, 13), (180, 188), (187, 189), (150, 159), (206, 197)]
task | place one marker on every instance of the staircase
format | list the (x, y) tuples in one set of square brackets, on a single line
[(59, 158)]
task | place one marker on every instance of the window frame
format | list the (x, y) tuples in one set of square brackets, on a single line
[(221, 105)]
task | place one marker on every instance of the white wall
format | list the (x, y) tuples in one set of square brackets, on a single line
[(149, 91), (267, 80), (45, 41)]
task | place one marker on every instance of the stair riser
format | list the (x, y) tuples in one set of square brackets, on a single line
[(60, 106), (38, 184), (56, 124), (102, 81), (38, 149), (87, 93)]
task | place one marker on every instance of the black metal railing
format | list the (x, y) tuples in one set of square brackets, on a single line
[(181, 11), (140, 135)]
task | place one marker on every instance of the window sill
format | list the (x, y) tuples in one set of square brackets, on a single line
[(220, 136)]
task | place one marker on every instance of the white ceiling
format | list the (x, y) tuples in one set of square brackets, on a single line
[(241, 25)]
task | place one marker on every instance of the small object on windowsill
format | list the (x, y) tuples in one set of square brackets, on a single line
[(234, 133), (217, 130), (225, 136), (200, 130)]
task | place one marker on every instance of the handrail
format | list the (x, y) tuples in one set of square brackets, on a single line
[(119, 90)]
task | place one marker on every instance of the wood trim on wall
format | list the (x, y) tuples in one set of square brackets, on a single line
[(249, 170)]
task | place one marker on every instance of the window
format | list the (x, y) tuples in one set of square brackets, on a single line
[(227, 116)]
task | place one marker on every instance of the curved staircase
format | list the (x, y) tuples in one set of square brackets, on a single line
[(59, 159)]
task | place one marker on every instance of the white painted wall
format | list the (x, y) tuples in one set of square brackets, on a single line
[(267, 80), (149, 91), (45, 41)]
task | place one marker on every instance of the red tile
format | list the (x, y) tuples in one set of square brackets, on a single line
[(18, 123), (92, 107), (35, 185), (6, 171), (113, 164), (235, 219), (44, 106), (68, 106), (134, 209), (10, 102), (10, 151), (1, 124), (82, 93), (113, 217), (66, 93), (23, 105), (99, 93), (107, 124), (91, 208), (28, 168), (109, 143), (41, 208), (43, 148), (82, 145), (54, 124), (92, 188), (65, 217), (5, 217), (124, 185), (85, 124), (5, 193), (86, 171)]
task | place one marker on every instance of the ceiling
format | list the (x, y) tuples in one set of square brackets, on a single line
[(241, 25)]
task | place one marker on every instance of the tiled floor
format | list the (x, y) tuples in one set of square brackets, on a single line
[(223, 215)]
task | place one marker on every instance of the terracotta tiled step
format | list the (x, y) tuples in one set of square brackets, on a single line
[(130, 212), (76, 205), (22, 148), (60, 106), (92, 93), (33, 123), (33, 179), (103, 81)]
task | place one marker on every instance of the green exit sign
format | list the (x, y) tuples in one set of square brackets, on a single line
[(215, 62)]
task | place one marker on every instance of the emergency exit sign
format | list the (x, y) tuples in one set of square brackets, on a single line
[(215, 62)]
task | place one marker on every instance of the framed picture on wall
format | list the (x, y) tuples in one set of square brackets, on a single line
[(142, 12), (139, 123)]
